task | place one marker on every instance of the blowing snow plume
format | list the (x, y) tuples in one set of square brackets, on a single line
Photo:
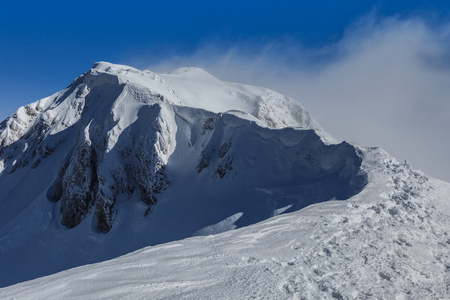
[(384, 83)]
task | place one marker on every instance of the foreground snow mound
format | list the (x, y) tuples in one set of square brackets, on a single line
[(123, 159), (388, 242)]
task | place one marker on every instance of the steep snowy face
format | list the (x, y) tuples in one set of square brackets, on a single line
[(91, 114), (150, 159), (99, 86), (273, 170)]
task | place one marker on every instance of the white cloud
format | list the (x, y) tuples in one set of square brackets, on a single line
[(385, 83)]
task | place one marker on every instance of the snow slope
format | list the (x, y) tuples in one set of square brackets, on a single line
[(388, 242), (123, 159)]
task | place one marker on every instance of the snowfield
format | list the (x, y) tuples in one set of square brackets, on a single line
[(372, 246), (222, 190)]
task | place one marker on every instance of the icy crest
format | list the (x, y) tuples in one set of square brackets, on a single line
[(199, 89)]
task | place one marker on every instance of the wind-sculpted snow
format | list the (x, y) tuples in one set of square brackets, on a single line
[(268, 168), (388, 242), (199, 89), (123, 159)]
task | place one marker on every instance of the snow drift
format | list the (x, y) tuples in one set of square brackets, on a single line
[(388, 242)]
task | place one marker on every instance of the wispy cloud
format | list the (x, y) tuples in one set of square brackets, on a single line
[(385, 83)]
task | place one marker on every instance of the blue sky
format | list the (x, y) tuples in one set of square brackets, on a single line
[(290, 46), (45, 44)]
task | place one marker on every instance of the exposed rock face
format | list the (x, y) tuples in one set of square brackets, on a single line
[(92, 176), (79, 183)]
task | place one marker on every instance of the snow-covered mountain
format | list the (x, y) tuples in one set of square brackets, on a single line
[(123, 159)]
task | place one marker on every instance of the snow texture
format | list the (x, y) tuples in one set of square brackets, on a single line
[(236, 189)]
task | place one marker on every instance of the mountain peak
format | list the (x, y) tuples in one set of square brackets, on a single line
[(152, 157), (190, 71), (123, 159), (112, 68)]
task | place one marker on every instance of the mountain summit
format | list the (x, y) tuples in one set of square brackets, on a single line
[(158, 158), (122, 159)]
